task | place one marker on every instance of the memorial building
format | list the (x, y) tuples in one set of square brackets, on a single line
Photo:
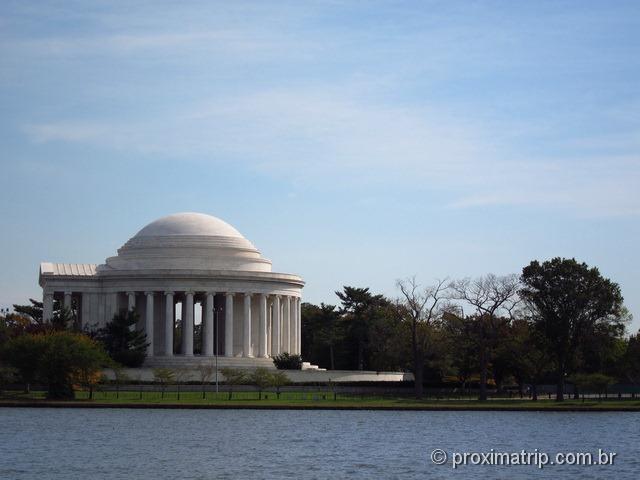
[(180, 269)]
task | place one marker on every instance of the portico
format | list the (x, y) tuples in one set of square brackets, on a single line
[(188, 276)]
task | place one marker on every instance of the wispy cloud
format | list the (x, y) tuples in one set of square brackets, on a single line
[(481, 111), (330, 135), (226, 42)]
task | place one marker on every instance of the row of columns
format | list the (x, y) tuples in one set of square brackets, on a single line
[(47, 304), (287, 340), (285, 322)]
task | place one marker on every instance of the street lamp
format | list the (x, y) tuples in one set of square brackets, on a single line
[(216, 312)]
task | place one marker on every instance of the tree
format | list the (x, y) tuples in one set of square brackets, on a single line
[(358, 311), (462, 346), (123, 343), (330, 331), (181, 376), (388, 345), (7, 375), (66, 358), (205, 372), (24, 353), (524, 355), (421, 307), (63, 319), (278, 380), (494, 300), (34, 310), (631, 359), (591, 382), (311, 323), (88, 377), (602, 349), (569, 301), (261, 378), (120, 377), (16, 324), (323, 336), (233, 377), (164, 376)]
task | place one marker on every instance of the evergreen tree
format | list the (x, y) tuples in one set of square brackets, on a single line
[(359, 310), (122, 341)]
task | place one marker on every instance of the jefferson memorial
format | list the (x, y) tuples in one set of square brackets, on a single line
[(195, 266)]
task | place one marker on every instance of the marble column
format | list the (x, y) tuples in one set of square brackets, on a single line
[(262, 341), (228, 325), (132, 301), (187, 326), (67, 300), (111, 307), (47, 307), (275, 327), (208, 326), (131, 296), (85, 313), (294, 325), (286, 324), (269, 326), (169, 313), (299, 330), (246, 331), (148, 323)]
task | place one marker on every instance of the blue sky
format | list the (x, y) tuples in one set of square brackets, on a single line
[(353, 142)]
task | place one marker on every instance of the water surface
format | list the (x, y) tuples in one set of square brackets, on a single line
[(136, 444)]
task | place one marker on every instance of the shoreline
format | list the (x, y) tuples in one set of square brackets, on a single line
[(292, 406)]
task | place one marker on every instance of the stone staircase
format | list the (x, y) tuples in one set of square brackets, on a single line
[(308, 366)]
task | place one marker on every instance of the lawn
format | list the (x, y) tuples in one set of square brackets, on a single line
[(311, 400)]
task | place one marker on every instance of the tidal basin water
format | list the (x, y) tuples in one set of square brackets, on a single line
[(237, 444)]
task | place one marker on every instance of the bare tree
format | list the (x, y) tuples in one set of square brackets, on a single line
[(181, 375), (205, 372), (233, 377), (164, 376), (495, 300), (421, 307)]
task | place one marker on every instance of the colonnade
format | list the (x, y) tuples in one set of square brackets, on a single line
[(277, 329)]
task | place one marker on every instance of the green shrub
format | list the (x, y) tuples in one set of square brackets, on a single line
[(287, 361)]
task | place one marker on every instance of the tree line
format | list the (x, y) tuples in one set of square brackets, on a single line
[(60, 355), (558, 321)]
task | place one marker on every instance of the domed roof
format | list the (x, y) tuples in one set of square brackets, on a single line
[(188, 241), (189, 223)]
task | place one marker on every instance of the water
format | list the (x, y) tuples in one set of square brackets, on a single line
[(237, 444)]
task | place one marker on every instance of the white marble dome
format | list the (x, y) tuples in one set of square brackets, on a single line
[(189, 223), (188, 241)]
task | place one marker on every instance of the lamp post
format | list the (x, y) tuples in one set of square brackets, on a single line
[(216, 312)]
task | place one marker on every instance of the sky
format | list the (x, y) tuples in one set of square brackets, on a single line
[(353, 142)]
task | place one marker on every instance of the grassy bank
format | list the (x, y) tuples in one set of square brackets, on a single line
[(305, 400)]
